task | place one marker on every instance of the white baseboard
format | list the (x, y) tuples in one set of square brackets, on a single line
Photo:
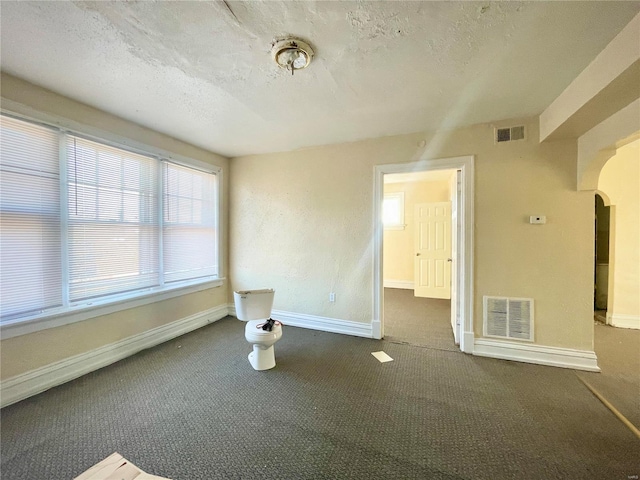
[(539, 354), (407, 285), (324, 324), (624, 321), (22, 386)]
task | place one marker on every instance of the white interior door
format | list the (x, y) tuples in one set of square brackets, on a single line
[(455, 231), (432, 263)]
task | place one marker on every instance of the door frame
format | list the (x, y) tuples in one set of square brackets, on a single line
[(465, 165), (455, 199)]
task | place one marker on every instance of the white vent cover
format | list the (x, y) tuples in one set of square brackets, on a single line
[(509, 134), (508, 318)]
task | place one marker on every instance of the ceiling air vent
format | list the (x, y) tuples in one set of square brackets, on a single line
[(509, 134), (508, 318)]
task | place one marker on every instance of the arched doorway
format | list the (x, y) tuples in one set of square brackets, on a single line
[(619, 189)]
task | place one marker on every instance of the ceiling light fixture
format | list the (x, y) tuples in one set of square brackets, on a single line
[(291, 53)]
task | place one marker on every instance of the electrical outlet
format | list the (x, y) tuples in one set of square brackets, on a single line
[(332, 297), (537, 219)]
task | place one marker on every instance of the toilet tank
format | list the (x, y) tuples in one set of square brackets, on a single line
[(253, 304)]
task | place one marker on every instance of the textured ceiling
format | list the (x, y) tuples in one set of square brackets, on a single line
[(202, 72)]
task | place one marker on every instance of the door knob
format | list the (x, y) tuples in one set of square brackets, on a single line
[(449, 260), (418, 254)]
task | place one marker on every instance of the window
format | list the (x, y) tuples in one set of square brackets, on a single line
[(113, 220), (83, 221), (393, 211), (30, 240), (189, 230)]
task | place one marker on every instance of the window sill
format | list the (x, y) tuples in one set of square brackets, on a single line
[(65, 316)]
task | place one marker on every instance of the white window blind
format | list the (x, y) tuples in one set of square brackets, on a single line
[(189, 234), (30, 240), (113, 227), (83, 223)]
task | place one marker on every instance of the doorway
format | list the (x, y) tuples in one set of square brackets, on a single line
[(601, 258), (618, 190), (418, 241), (460, 170)]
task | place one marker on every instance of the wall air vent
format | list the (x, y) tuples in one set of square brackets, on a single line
[(509, 134), (510, 318)]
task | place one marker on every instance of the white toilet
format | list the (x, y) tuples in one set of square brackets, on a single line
[(254, 307)]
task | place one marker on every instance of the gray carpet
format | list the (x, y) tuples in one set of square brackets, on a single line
[(618, 351), (424, 322), (193, 408)]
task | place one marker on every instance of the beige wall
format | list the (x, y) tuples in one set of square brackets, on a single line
[(27, 352), (302, 223), (399, 244), (620, 181)]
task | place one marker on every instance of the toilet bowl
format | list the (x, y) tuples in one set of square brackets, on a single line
[(263, 356), (254, 307)]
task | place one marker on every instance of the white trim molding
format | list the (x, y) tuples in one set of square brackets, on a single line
[(538, 354), (36, 381), (324, 324), (405, 284), (624, 321), (376, 331), (469, 338)]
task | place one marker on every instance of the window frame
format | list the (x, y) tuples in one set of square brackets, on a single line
[(91, 308)]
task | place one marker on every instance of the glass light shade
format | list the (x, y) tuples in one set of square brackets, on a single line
[(292, 58)]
